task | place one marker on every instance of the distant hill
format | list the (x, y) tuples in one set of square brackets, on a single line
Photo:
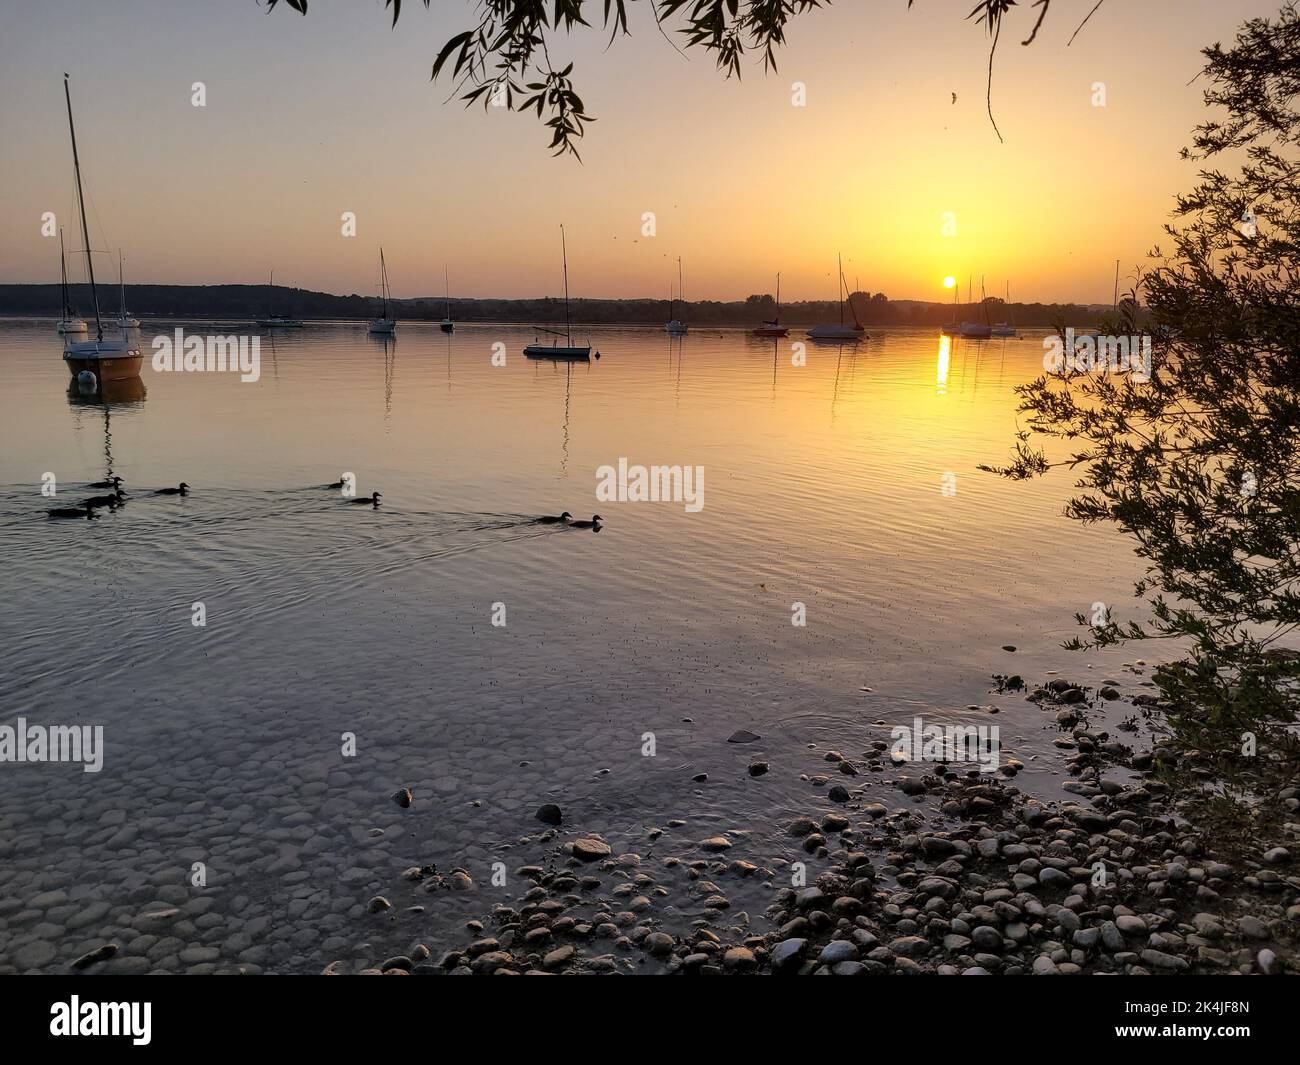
[(248, 302)]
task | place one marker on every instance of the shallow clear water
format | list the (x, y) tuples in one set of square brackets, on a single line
[(823, 486)]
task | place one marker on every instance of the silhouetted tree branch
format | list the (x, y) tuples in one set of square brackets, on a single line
[(503, 57)]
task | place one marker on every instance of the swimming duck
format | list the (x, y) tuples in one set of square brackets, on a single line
[(72, 512), (106, 501), (367, 501), (178, 491), (340, 483), (593, 524), (554, 519), (112, 482)]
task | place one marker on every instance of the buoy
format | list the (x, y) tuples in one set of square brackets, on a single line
[(86, 381)]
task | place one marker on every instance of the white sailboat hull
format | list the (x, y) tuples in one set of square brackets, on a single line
[(72, 325), (382, 326), (677, 328)]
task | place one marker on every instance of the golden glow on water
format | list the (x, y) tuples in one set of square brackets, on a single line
[(941, 373)]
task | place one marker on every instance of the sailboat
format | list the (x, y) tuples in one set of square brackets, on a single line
[(976, 330), (69, 323), (832, 331), (567, 350), (278, 321), (114, 359), (1006, 329), (447, 325), (123, 319), (384, 325), (676, 325), (774, 328)]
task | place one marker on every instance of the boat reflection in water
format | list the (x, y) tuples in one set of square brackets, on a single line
[(129, 392), (107, 395)]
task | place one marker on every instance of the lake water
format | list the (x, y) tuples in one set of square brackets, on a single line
[(848, 485)]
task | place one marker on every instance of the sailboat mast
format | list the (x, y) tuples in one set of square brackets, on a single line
[(564, 252), (383, 282), (778, 300), (679, 279), (121, 283), (1115, 305), (63, 277), (81, 203), (839, 283), (446, 277)]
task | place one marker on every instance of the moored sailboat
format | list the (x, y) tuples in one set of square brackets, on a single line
[(774, 328), (675, 325), (278, 321), (1008, 328), (69, 323), (840, 331), (383, 325), (114, 358), (447, 325), (123, 319), (556, 350)]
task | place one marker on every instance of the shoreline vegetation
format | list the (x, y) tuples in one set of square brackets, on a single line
[(251, 301)]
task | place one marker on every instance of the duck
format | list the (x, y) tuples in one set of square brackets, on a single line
[(72, 512), (340, 483), (367, 501), (112, 482), (554, 519), (106, 501), (180, 490), (593, 524)]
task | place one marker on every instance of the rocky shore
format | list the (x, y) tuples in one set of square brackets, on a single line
[(963, 873)]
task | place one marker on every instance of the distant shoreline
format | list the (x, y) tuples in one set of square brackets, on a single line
[(252, 302)]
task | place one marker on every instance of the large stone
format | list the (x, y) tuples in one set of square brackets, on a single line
[(787, 955), (590, 850)]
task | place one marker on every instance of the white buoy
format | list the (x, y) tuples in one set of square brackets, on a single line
[(86, 381)]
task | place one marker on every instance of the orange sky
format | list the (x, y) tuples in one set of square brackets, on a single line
[(310, 117)]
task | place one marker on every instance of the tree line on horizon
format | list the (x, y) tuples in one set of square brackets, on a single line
[(251, 302)]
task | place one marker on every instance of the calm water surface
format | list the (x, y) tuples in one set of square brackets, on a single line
[(823, 486)]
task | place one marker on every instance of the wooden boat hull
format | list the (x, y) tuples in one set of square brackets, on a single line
[(771, 331), (106, 367)]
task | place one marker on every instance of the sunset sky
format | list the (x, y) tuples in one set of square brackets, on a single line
[(309, 117)]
